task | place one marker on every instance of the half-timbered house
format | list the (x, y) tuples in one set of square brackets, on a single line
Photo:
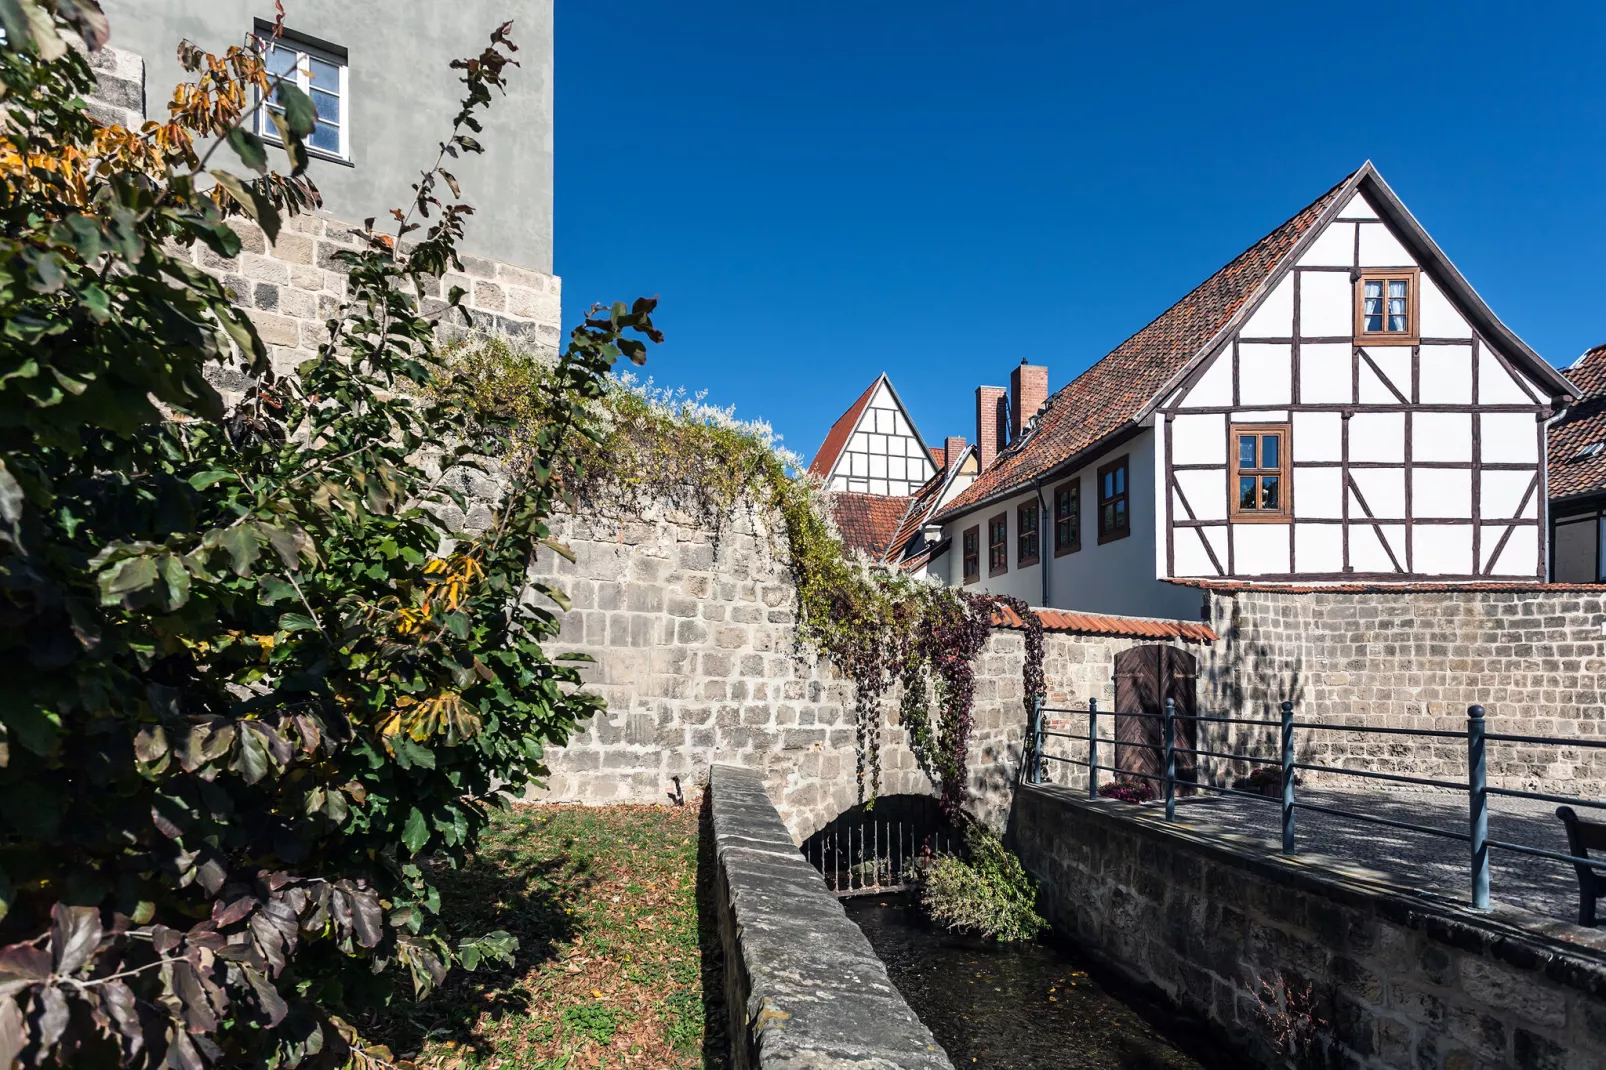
[(1335, 404), (1577, 477)]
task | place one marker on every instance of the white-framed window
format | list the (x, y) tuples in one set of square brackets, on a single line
[(320, 72)]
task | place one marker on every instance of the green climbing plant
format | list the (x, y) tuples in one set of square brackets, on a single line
[(878, 626)]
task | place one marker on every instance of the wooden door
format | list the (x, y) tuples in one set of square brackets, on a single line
[(1145, 676)]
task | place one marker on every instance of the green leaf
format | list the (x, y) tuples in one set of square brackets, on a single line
[(299, 112), (273, 589), (243, 547), (253, 201), (202, 480), (31, 724), (80, 234), (416, 832), (294, 146), (297, 622), (177, 579), (128, 576), (252, 152)]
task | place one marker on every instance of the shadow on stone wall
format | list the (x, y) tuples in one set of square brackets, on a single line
[(711, 965)]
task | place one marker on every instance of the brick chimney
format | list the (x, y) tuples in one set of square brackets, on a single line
[(953, 447), (1028, 389), (991, 423)]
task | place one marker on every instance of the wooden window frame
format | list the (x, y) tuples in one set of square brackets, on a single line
[(1028, 541), (1125, 528), (1285, 505), (970, 553), (1073, 518), (998, 549), (1413, 306)]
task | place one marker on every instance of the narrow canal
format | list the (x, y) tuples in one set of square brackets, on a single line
[(1032, 1008)]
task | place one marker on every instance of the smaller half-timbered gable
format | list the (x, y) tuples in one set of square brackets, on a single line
[(874, 447)]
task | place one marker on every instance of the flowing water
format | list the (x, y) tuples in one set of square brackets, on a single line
[(1031, 1008)]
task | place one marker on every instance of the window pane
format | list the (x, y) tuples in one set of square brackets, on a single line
[(281, 61), (1373, 324), (1120, 480), (1268, 451), (1120, 513), (326, 137), (1246, 492), (1109, 485), (1373, 289), (325, 75), (1246, 451), (1108, 519), (1268, 493), (1397, 288), (328, 106)]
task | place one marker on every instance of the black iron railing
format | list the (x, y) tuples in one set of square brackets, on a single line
[(873, 849), (1477, 737)]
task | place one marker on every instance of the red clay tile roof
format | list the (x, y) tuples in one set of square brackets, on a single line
[(836, 439), (1056, 620), (939, 455), (1103, 399), (1387, 588), (920, 509), (1572, 475), (868, 521)]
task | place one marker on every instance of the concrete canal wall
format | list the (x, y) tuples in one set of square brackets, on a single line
[(1403, 979), (804, 989)]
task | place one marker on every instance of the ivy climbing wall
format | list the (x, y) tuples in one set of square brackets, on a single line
[(694, 637)]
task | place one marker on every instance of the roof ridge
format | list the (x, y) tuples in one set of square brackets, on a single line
[(1142, 365)]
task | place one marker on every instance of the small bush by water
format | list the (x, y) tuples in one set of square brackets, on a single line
[(986, 892)]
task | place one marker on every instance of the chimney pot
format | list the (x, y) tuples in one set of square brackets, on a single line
[(992, 424), (1028, 390)]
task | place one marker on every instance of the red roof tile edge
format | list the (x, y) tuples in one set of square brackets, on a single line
[(1058, 620), (1385, 587)]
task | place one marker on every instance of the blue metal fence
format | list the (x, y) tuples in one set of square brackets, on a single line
[(1476, 739)]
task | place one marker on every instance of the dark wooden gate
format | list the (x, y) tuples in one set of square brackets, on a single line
[(1145, 676)]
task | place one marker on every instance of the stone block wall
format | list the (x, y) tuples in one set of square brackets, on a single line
[(1535, 659), (804, 989), (1404, 981), (694, 632)]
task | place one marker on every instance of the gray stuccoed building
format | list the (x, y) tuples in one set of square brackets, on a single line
[(378, 72)]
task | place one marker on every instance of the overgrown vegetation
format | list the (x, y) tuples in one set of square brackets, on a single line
[(610, 968), (878, 626), (257, 698), (983, 891)]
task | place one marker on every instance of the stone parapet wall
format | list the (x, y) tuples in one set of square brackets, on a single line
[(804, 989), (1404, 980), (1534, 659)]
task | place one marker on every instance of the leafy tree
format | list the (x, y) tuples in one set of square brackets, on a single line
[(257, 698)]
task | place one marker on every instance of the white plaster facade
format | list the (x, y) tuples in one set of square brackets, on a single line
[(1409, 429)]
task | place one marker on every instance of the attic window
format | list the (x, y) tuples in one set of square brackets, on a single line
[(1591, 450), (1386, 305)]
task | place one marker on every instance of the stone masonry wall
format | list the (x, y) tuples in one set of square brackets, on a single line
[(694, 633), (1405, 981), (804, 989), (1534, 659)]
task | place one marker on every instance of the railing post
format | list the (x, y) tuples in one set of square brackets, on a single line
[(1092, 748), (1170, 759), (1478, 800), (1288, 777), (1037, 740)]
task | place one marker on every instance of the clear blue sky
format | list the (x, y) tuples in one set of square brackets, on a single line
[(820, 193)]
